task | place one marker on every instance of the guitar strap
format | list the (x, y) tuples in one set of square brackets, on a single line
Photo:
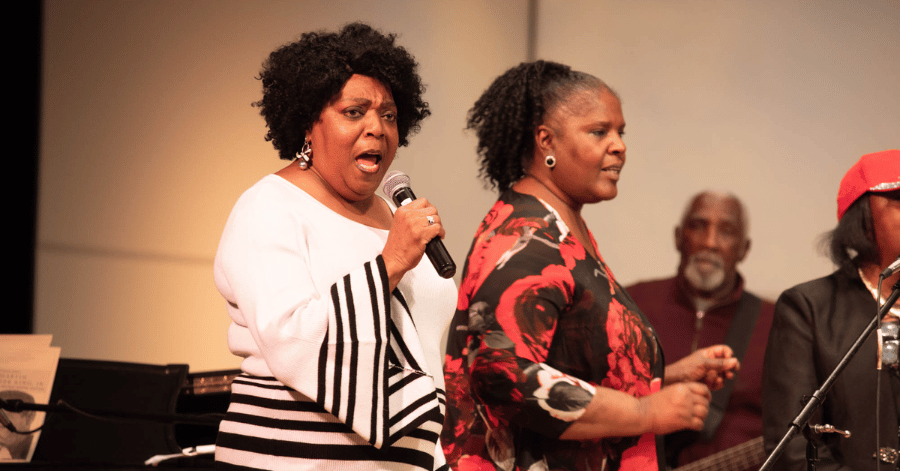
[(738, 338)]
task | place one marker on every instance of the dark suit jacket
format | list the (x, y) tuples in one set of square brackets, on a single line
[(815, 325)]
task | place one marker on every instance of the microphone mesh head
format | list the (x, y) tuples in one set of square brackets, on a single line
[(393, 181)]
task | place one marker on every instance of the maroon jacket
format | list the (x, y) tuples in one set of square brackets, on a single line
[(673, 316)]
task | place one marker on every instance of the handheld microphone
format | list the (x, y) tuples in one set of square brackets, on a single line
[(396, 186), (891, 269)]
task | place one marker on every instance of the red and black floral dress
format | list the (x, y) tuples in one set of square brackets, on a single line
[(539, 324)]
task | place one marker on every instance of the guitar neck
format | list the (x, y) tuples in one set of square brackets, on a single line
[(737, 458)]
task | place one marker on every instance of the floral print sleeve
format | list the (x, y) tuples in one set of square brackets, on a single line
[(539, 325)]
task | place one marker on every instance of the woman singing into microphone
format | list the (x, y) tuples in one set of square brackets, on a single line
[(333, 309)]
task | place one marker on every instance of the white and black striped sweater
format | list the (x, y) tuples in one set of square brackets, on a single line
[(352, 348)]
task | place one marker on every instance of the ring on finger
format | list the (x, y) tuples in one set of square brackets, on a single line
[(430, 220)]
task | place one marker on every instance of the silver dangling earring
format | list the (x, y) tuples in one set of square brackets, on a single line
[(550, 161), (304, 157)]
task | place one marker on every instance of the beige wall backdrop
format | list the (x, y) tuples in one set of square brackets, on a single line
[(771, 99), (148, 137)]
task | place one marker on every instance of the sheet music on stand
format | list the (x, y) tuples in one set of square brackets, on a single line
[(27, 369)]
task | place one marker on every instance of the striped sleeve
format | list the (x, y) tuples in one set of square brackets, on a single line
[(413, 397), (352, 361), (368, 375)]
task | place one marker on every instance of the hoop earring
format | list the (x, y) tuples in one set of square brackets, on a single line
[(550, 161), (304, 157)]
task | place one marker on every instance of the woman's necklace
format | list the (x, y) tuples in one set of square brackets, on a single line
[(895, 309)]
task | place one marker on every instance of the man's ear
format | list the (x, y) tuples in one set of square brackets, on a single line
[(745, 248), (679, 238)]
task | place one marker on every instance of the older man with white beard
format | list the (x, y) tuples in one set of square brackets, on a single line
[(705, 304)]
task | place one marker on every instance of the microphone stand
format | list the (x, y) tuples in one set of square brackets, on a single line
[(815, 401)]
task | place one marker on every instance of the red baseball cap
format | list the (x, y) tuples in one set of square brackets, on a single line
[(879, 171)]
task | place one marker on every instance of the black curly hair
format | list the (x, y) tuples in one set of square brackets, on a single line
[(506, 114), (300, 78)]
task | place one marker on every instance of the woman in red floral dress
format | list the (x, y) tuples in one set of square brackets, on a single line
[(550, 365)]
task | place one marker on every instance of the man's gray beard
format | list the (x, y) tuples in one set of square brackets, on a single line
[(705, 281)]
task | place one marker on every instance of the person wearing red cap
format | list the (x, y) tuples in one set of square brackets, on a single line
[(817, 322)]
